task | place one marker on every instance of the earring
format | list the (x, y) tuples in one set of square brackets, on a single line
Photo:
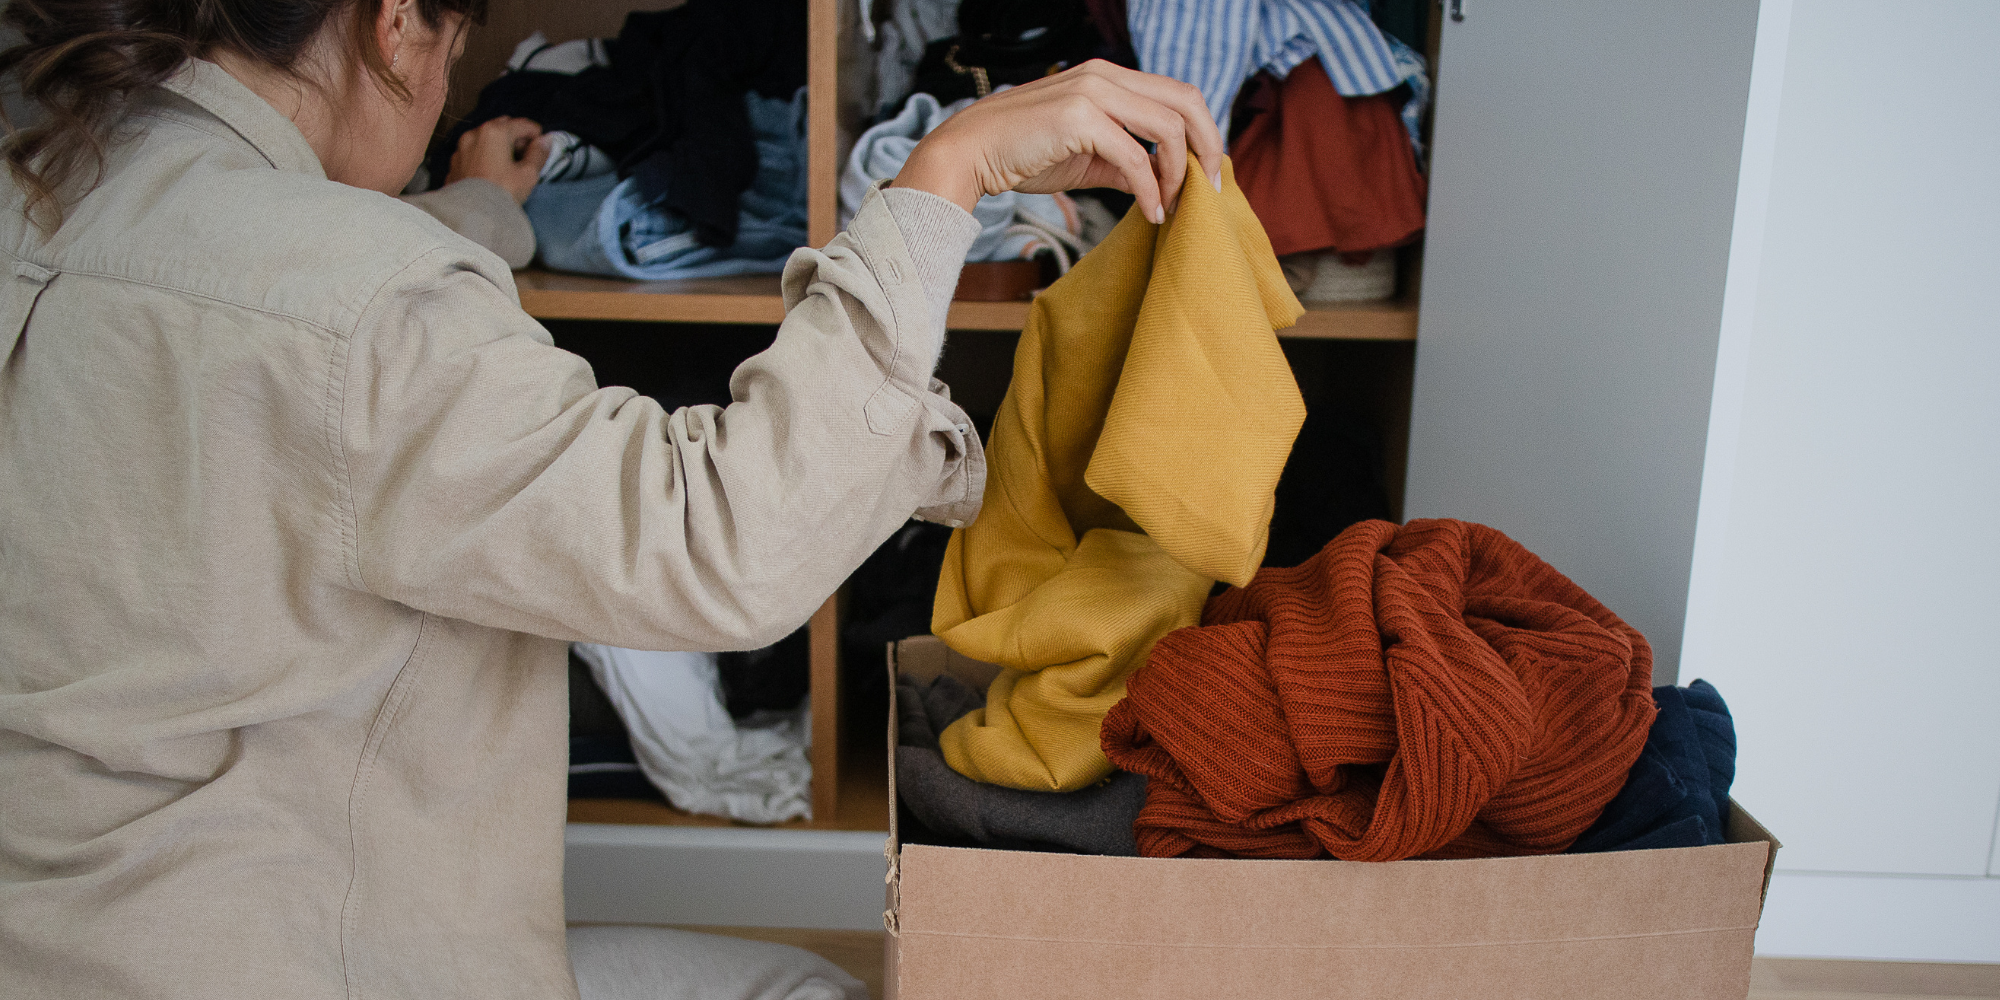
[(393, 57)]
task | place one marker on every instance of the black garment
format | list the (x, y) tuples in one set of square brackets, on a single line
[(1408, 20), (888, 598), (602, 767), (601, 764), (1333, 479), (1677, 794), (669, 108), (1005, 42), (1114, 33), (590, 710), (1094, 820), (776, 677)]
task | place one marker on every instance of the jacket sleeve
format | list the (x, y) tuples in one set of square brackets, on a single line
[(489, 479), (483, 212)]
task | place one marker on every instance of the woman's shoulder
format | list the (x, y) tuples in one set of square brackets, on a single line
[(217, 221)]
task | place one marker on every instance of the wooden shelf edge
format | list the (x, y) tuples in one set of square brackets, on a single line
[(1392, 320), (652, 307), (609, 300)]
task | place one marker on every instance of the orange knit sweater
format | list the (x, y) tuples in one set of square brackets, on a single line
[(1431, 690)]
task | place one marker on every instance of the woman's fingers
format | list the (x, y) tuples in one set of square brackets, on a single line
[(1150, 120), (536, 154), (507, 151), (519, 131), (1111, 143), (1079, 128), (1198, 129)]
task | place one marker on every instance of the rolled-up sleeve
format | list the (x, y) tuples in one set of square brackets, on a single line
[(489, 479)]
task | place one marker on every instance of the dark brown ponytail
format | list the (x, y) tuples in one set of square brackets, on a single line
[(82, 60)]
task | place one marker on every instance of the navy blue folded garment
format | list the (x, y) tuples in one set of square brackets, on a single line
[(1677, 795), (604, 767)]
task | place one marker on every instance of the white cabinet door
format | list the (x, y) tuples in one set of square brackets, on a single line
[(1583, 184), (1845, 596)]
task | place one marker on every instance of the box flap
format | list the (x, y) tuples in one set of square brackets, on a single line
[(1742, 828), (926, 656)]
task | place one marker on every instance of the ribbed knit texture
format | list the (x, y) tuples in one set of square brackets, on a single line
[(937, 233), (1433, 690), (1132, 463)]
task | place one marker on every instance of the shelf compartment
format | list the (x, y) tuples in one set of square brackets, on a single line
[(862, 793)]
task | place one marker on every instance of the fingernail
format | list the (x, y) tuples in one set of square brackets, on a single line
[(1216, 179), (1159, 216)]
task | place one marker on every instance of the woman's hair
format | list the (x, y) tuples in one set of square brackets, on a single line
[(82, 60)]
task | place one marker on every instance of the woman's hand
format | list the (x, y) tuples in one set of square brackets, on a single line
[(507, 151), (1072, 130)]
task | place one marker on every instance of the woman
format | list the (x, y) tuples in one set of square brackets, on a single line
[(300, 508)]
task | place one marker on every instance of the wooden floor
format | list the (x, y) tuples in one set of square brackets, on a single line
[(1804, 979), (860, 953)]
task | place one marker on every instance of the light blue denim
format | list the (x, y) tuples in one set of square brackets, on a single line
[(601, 225), (879, 153)]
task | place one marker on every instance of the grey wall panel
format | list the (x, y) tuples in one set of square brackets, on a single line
[(1583, 187), (724, 876)]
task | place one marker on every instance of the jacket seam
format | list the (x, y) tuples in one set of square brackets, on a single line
[(364, 772), (231, 135), (179, 290), (339, 361), (870, 257), (344, 489), (890, 371)]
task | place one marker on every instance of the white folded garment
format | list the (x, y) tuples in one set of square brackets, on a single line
[(535, 53), (687, 745)]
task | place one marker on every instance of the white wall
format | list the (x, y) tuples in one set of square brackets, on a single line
[(1845, 590)]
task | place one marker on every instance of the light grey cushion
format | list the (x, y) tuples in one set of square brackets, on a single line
[(658, 963)]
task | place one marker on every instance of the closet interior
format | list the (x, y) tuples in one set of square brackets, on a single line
[(679, 340)]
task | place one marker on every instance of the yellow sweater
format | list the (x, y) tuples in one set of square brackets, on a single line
[(1132, 464)]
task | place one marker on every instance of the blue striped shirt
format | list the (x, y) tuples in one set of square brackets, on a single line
[(1217, 44)]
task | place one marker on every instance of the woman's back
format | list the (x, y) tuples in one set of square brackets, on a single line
[(201, 701)]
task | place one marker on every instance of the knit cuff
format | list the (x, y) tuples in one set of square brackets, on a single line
[(938, 234)]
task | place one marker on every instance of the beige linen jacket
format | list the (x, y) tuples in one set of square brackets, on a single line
[(297, 509)]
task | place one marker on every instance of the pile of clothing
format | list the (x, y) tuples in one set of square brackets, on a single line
[(679, 144), (1429, 690), (1323, 107), (935, 57), (1322, 102)]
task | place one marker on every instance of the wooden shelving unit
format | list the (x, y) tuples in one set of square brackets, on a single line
[(849, 791)]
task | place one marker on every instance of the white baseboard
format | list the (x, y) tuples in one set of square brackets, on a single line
[(1881, 917), (724, 876)]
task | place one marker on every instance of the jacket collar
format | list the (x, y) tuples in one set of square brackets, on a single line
[(272, 134)]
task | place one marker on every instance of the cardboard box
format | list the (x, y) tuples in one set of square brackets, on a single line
[(969, 924)]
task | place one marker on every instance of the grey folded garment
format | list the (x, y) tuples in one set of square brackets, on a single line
[(1094, 820)]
